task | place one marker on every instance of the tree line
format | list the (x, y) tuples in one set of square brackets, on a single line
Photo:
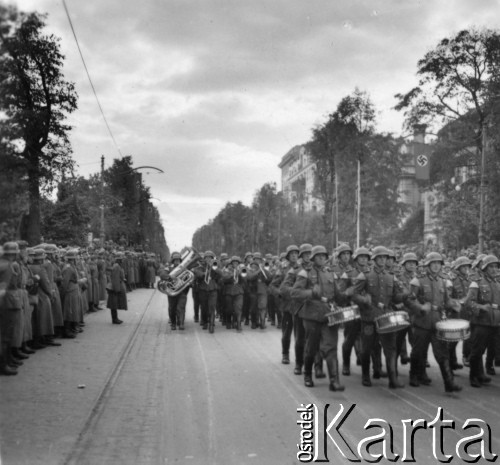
[(458, 100), (36, 154)]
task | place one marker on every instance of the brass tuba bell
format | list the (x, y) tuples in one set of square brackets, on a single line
[(181, 276)]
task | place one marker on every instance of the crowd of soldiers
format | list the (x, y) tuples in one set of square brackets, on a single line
[(299, 290), (46, 291)]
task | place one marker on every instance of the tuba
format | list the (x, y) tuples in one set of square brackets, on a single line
[(181, 276)]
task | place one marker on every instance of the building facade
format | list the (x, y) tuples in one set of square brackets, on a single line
[(297, 180)]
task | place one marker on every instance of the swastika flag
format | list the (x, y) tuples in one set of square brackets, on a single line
[(422, 155)]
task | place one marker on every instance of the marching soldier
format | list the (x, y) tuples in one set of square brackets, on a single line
[(284, 300), (196, 296), (459, 289), (484, 299), (352, 329), (375, 293), (430, 306), (233, 277), (316, 289), (221, 292), (176, 304), (208, 276), (248, 259), (258, 279), (286, 291)]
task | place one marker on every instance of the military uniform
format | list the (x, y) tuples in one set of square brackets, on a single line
[(376, 294), (284, 301), (233, 285), (484, 314), (207, 284), (315, 289), (432, 303), (258, 280)]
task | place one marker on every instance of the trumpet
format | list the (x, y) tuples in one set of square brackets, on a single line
[(242, 271), (215, 265)]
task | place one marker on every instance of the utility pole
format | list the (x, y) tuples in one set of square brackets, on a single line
[(358, 229), (102, 235), (481, 190), (279, 228)]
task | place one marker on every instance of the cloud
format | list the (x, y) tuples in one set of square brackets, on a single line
[(216, 92)]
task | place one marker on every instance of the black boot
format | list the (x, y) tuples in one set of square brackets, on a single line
[(285, 359), (298, 369), (318, 368), (474, 372), (365, 373), (449, 384), (346, 362), (332, 365), (414, 372), (392, 371), (18, 354), (308, 365), (5, 369), (26, 350), (114, 317)]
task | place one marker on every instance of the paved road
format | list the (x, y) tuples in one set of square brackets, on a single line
[(156, 396)]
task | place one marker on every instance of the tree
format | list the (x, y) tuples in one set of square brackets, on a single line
[(349, 136), (458, 90), (36, 99)]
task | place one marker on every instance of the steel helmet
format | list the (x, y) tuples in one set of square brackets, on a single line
[(235, 258), (343, 248), (209, 253), (291, 248), (478, 260), (175, 256), (10, 248), (361, 251), (248, 254), (224, 256), (282, 255), (433, 257), (318, 249), (488, 260), (461, 261), (392, 254), (257, 255), (409, 257), (305, 248), (379, 251)]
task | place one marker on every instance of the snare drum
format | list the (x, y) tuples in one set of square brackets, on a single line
[(392, 321), (453, 330), (341, 315)]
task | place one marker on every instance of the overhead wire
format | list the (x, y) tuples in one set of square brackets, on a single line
[(89, 78)]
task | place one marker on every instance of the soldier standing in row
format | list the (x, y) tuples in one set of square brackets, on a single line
[(258, 279)]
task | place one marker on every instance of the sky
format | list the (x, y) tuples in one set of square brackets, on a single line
[(216, 92)]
